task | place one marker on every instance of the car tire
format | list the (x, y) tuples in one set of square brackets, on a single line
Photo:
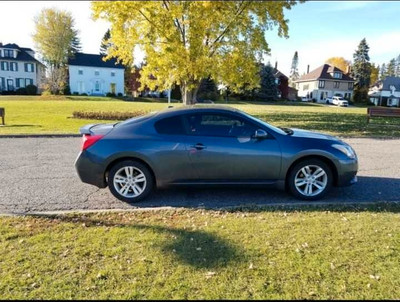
[(305, 174), (130, 181)]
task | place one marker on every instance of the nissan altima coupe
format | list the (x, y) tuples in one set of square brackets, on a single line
[(211, 145)]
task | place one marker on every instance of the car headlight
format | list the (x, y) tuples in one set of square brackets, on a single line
[(346, 150)]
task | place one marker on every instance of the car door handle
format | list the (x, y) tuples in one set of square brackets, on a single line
[(199, 146)]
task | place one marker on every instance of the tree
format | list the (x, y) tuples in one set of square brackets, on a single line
[(382, 72), (56, 40), (391, 68), (187, 41), (339, 62), (105, 43), (268, 90), (397, 69), (361, 72), (208, 90), (374, 73), (294, 73)]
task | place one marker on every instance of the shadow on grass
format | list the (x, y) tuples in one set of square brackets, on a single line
[(199, 249), (20, 126)]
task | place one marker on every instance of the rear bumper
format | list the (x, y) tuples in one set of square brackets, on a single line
[(90, 172), (347, 172)]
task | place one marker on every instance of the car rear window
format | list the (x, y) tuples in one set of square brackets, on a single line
[(170, 126)]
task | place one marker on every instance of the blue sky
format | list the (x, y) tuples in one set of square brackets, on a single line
[(317, 29), (321, 29)]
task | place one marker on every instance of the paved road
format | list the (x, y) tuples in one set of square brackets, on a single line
[(37, 174)]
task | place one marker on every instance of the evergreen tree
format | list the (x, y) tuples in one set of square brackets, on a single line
[(382, 72), (268, 90), (361, 72), (105, 43), (294, 73), (374, 73), (397, 69), (207, 90), (391, 68)]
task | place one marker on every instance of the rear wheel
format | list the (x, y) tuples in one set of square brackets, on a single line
[(130, 181), (310, 179)]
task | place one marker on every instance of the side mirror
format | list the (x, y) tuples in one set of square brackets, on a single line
[(260, 134)]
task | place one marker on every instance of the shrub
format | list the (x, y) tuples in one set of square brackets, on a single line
[(67, 90), (94, 115), (75, 93), (46, 93), (21, 91), (120, 94), (111, 94), (31, 90), (84, 94)]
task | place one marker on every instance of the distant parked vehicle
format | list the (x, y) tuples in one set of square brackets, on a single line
[(339, 101), (305, 99), (328, 100)]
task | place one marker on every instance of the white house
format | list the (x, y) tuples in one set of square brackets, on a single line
[(386, 92), (325, 81), (88, 73), (19, 68)]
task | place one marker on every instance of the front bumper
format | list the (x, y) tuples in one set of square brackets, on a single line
[(89, 171), (347, 172)]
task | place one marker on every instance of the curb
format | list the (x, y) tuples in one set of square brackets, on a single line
[(39, 135), (228, 208)]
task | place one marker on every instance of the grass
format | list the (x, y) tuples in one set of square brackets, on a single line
[(313, 253), (40, 115)]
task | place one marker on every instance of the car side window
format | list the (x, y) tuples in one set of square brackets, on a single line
[(208, 124), (170, 126)]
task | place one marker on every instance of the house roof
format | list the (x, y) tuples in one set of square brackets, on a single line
[(22, 54), (389, 81), (91, 60), (324, 73), (279, 74)]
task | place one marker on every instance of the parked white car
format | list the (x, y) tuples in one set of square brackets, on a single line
[(328, 100), (339, 101)]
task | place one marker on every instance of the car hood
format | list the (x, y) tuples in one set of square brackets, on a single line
[(311, 134)]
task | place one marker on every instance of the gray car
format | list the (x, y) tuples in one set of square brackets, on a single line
[(211, 145)]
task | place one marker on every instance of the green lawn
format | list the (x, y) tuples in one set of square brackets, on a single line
[(27, 115), (313, 253)]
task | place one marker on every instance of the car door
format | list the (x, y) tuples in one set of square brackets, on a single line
[(221, 148)]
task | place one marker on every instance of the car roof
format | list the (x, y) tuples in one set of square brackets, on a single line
[(196, 108)]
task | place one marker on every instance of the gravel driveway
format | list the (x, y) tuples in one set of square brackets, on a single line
[(38, 174)]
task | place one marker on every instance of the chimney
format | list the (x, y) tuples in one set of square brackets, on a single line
[(348, 69), (276, 64), (308, 68)]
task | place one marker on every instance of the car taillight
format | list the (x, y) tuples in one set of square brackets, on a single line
[(88, 140)]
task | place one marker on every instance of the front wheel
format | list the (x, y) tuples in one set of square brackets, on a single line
[(130, 181), (310, 179)]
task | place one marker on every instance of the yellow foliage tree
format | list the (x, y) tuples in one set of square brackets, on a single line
[(186, 41), (339, 62)]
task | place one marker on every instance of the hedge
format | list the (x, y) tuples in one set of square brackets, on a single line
[(99, 115)]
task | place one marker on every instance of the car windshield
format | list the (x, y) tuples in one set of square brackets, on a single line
[(276, 129)]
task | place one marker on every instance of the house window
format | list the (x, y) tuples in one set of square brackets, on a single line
[(19, 83), (80, 72), (97, 86), (28, 82), (305, 87), (8, 53), (336, 84), (2, 84), (29, 67), (351, 85), (321, 84), (113, 73), (337, 75), (13, 66), (5, 66), (96, 73), (277, 81)]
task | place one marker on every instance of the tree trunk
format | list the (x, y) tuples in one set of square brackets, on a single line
[(189, 97)]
